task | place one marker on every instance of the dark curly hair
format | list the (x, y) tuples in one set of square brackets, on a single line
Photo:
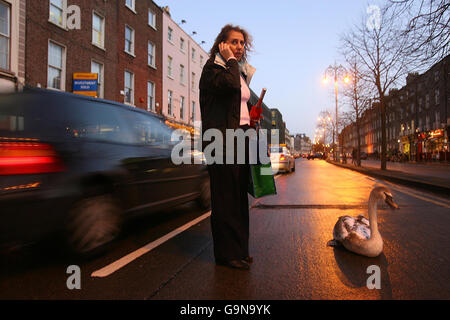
[(223, 36)]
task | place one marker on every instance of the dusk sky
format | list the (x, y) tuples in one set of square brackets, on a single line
[(294, 42)]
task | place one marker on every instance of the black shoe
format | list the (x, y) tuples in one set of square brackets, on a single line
[(248, 259), (236, 264)]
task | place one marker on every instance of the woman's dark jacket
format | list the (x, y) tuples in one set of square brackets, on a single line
[(220, 96)]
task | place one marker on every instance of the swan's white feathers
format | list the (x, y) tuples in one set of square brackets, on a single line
[(363, 220), (347, 225), (355, 233)]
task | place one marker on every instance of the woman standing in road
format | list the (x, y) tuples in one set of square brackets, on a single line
[(224, 95)]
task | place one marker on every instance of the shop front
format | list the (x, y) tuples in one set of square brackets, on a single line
[(405, 146), (433, 145)]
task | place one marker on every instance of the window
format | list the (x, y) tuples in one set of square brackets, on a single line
[(436, 75), (182, 44), (150, 96), (146, 130), (98, 27), (98, 69), (420, 104), (427, 101), (436, 96), (169, 34), (201, 61), (193, 111), (193, 54), (193, 81), (437, 117), (181, 74), (129, 40), (169, 66), (181, 107), (130, 4), (151, 18), (151, 54), (129, 87), (4, 35), (169, 102), (56, 12), (56, 66)]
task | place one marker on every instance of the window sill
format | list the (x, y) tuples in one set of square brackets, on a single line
[(7, 73), (129, 53), (98, 46), (130, 104), (54, 89), (131, 9), (153, 27), (152, 66), (170, 77), (58, 25)]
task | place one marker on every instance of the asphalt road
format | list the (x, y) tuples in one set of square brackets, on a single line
[(288, 239)]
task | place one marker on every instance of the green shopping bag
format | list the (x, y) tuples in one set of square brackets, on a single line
[(262, 182)]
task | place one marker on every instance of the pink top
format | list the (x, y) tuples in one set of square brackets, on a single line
[(245, 96)]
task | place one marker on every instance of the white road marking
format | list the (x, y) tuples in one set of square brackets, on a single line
[(116, 265), (113, 267)]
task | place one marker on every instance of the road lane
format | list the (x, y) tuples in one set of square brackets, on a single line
[(292, 260)]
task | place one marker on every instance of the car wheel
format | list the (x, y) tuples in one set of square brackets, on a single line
[(204, 200), (93, 223)]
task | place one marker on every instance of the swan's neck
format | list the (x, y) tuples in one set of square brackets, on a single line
[(373, 215)]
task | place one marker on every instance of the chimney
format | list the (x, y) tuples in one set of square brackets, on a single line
[(166, 9)]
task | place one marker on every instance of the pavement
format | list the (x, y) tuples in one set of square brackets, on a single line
[(419, 179)]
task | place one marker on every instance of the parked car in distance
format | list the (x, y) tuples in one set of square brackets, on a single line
[(363, 156), (281, 159), (80, 166)]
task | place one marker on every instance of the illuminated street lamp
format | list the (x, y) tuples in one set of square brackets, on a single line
[(323, 119), (336, 72)]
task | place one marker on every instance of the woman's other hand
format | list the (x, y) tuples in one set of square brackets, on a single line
[(225, 51)]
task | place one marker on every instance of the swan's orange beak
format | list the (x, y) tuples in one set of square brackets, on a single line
[(390, 201)]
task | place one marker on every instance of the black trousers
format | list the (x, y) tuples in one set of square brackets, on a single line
[(230, 213)]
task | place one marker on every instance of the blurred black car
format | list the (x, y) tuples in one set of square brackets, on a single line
[(80, 166), (317, 155)]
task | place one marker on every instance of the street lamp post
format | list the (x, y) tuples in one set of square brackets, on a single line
[(336, 72)]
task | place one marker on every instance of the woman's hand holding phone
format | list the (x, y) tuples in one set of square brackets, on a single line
[(225, 51)]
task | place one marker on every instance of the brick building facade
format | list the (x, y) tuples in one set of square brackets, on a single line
[(55, 50), (417, 118), (12, 44)]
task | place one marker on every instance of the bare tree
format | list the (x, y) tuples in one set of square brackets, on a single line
[(381, 48), (358, 95), (428, 25)]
